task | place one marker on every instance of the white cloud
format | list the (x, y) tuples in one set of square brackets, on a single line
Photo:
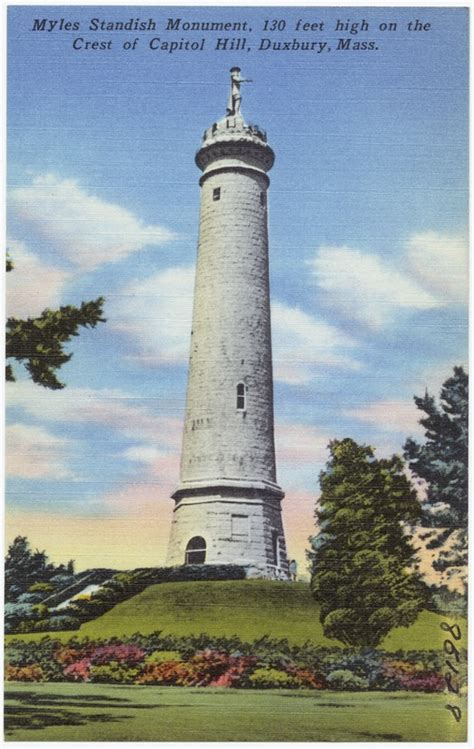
[(441, 263), (391, 416), (34, 453), (296, 444), (156, 315), (365, 288), (85, 229), (143, 454), (302, 344), (31, 286), (112, 408)]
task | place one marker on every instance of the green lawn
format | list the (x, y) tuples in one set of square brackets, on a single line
[(247, 608), (92, 712)]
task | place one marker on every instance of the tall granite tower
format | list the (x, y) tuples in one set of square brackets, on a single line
[(227, 507)]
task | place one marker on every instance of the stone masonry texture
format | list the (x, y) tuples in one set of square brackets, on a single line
[(227, 492)]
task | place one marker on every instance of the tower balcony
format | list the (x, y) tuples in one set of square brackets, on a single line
[(233, 139)]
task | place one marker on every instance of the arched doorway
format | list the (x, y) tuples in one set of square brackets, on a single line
[(195, 551)]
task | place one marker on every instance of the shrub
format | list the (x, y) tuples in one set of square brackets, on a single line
[(17, 612), (30, 598), (271, 678), (307, 679), (62, 622), (25, 673), (173, 673), (67, 655), (113, 673), (346, 680), (424, 682), (62, 580), (412, 676), (41, 588), (163, 656), (78, 671), (446, 601), (120, 653), (203, 669)]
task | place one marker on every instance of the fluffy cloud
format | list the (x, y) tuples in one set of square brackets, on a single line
[(301, 344), (82, 227), (441, 263), (32, 286), (300, 443), (159, 465), (156, 315), (146, 454), (365, 288), (391, 416), (34, 453), (112, 408)]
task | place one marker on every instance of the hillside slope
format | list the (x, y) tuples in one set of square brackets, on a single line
[(247, 608)]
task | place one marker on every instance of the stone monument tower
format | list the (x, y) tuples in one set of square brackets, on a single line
[(227, 504)]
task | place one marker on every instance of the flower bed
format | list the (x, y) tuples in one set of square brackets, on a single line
[(222, 662)]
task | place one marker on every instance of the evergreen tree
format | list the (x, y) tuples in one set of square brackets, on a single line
[(442, 461), (38, 342), (25, 567), (22, 567), (361, 558)]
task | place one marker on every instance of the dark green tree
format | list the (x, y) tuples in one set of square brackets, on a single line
[(23, 567), (38, 342), (442, 461), (362, 559)]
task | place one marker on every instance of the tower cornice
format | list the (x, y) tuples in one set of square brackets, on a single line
[(231, 138), (190, 488)]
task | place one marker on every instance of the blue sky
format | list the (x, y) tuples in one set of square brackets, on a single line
[(368, 251)]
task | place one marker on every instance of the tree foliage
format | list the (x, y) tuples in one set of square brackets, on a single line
[(442, 461), (38, 342), (25, 569), (361, 557)]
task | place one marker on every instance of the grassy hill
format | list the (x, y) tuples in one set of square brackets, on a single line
[(246, 608)]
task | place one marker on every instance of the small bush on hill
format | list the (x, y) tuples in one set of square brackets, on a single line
[(272, 678), (163, 656), (113, 673), (26, 673), (346, 681), (41, 588)]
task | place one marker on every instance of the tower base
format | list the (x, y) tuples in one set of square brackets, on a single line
[(228, 525)]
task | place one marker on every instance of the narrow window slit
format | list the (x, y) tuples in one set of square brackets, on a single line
[(241, 398)]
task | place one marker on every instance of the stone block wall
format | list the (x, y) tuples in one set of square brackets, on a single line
[(231, 339), (236, 529)]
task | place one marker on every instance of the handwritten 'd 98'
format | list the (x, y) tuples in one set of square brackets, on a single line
[(452, 682)]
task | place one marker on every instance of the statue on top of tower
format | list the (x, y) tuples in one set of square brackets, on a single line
[(235, 98)]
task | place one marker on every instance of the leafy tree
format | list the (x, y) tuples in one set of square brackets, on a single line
[(442, 461), (38, 342), (28, 570), (23, 567), (361, 558)]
